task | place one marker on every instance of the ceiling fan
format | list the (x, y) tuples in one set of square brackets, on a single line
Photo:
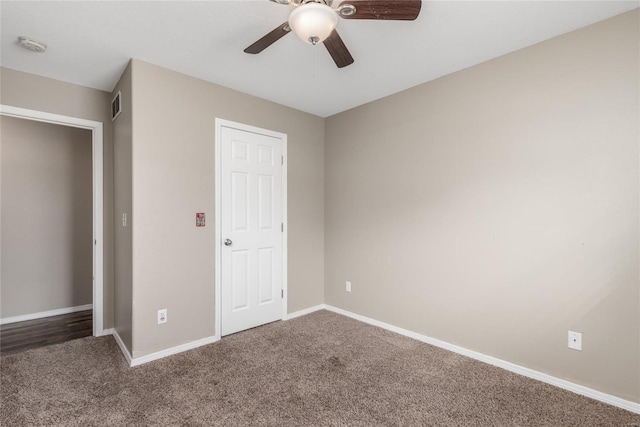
[(314, 21)]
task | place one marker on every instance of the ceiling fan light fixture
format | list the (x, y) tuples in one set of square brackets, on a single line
[(313, 22)]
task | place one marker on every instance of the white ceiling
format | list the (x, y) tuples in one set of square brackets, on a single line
[(90, 43)]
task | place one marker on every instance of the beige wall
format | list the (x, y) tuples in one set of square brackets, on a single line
[(47, 228), (25, 90), (122, 140), (173, 178), (497, 208)]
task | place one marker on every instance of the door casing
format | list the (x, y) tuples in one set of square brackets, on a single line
[(218, 240)]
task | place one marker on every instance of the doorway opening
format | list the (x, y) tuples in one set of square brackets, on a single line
[(92, 224)]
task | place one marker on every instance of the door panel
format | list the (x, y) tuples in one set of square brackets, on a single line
[(239, 201), (239, 279), (265, 275), (265, 202), (251, 209)]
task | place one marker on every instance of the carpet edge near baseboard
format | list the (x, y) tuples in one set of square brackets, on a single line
[(509, 366)]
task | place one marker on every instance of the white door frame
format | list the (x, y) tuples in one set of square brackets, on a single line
[(220, 123), (98, 197)]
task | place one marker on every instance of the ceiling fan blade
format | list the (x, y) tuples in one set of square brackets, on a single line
[(269, 39), (401, 10), (338, 50)]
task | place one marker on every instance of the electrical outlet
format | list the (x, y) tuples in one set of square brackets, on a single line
[(162, 316), (575, 340), (348, 286)]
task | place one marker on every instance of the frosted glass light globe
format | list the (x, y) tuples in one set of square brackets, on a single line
[(313, 22)]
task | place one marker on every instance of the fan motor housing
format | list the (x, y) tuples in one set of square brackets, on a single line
[(300, 2)]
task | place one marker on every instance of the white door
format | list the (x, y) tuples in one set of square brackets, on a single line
[(251, 232)]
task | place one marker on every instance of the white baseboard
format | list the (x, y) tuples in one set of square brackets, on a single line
[(512, 367), (305, 311), (106, 332), (564, 384), (171, 351), (123, 348), (136, 361), (43, 314)]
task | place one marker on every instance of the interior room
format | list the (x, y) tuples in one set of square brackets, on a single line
[(47, 218), (404, 213)]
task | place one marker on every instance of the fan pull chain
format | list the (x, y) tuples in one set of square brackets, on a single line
[(315, 61)]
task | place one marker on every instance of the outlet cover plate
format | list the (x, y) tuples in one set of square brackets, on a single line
[(162, 316), (348, 286), (575, 340)]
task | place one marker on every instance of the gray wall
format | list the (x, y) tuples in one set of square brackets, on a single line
[(497, 208), (173, 178), (46, 219), (122, 140), (25, 90)]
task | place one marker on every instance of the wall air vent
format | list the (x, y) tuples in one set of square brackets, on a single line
[(116, 106)]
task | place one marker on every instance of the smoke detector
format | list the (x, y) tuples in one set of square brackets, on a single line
[(32, 44)]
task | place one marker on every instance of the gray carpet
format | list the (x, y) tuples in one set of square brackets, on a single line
[(322, 369)]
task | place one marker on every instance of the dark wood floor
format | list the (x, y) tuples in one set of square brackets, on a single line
[(21, 336)]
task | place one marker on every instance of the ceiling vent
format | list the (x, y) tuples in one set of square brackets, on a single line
[(116, 106), (32, 44)]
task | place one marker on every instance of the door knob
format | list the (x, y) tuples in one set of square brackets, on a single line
[(227, 242)]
